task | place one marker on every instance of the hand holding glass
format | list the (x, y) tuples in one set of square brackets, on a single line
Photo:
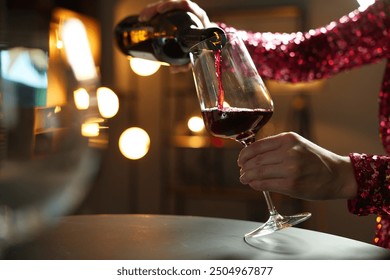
[(235, 104)]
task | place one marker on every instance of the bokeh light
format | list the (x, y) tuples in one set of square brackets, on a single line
[(195, 124), (81, 99), (134, 143), (144, 67), (108, 102)]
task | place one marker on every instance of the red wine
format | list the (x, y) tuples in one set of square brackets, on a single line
[(218, 72), (236, 123)]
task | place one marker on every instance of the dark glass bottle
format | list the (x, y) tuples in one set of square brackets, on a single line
[(166, 37)]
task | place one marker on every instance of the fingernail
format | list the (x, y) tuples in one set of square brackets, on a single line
[(242, 179)]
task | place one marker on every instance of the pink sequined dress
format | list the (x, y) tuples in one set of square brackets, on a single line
[(356, 39)]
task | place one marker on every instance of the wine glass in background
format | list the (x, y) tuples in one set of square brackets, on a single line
[(235, 104), (50, 147)]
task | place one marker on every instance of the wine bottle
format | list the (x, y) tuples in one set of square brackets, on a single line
[(166, 37)]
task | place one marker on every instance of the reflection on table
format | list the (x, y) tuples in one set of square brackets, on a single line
[(183, 237)]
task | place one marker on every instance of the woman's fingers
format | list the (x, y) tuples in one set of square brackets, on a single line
[(149, 11), (277, 185), (261, 173), (259, 148), (164, 6), (267, 158)]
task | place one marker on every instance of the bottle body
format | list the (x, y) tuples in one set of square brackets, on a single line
[(165, 38)]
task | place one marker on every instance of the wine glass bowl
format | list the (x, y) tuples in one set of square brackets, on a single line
[(47, 158), (235, 104)]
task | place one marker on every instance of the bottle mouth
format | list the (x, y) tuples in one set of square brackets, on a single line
[(215, 42)]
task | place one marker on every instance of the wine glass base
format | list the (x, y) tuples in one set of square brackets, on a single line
[(275, 222)]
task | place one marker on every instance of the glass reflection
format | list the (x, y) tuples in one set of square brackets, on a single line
[(46, 163)]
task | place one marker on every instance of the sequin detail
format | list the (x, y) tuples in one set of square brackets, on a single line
[(356, 39), (372, 174), (373, 197)]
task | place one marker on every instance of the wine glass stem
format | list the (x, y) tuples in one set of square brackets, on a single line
[(271, 208)]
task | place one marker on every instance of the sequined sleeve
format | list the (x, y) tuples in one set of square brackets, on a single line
[(355, 39), (372, 173)]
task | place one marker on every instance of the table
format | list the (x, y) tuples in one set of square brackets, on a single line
[(159, 237)]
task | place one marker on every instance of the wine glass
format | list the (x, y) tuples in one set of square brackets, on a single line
[(235, 104), (50, 149)]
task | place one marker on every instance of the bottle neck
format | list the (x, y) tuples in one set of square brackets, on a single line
[(190, 37), (166, 38)]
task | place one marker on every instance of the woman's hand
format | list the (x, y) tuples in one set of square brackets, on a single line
[(292, 165), (168, 5)]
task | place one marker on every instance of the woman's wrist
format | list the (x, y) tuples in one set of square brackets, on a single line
[(349, 187)]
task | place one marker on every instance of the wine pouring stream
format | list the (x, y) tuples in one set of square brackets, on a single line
[(235, 104)]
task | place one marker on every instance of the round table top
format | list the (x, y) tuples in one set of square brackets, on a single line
[(159, 237)]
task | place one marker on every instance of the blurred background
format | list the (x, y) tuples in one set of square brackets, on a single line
[(176, 167)]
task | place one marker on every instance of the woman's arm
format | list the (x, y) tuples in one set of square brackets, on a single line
[(355, 39)]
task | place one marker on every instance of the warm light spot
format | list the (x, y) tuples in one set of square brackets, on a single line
[(195, 124), (60, 45), (197, 141), (108, 102), (57, 109), (378, 219), (144, 67), (77, 49), (134, 143), (81, 99), (90, 129), (192, 141), (365, 3), (376, 239)]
